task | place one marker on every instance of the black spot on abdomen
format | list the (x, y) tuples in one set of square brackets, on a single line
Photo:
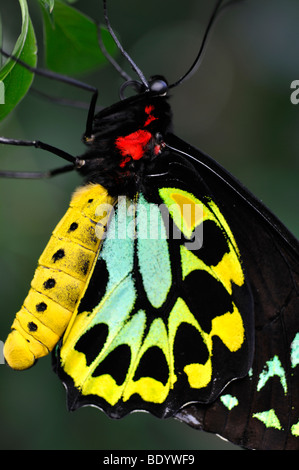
[(32, 326), (41, 307), (58, 255), (49, 283), (73, 227)]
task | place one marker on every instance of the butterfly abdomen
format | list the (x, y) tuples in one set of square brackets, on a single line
[(60, 279)]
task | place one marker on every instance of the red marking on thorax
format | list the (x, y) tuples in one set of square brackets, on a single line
[(148, 109), (133, 145)]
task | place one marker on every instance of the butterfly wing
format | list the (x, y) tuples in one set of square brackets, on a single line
[(164, 322), (260, 411), (175, 329)]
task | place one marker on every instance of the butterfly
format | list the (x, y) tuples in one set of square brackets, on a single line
[(167, 286)]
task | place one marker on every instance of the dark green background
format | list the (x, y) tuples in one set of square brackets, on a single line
[(236, 108)]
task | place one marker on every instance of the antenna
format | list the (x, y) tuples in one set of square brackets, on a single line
[(113, 62), (219, 7), (120, 47)]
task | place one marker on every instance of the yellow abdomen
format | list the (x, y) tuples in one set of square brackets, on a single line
[(60, 279)]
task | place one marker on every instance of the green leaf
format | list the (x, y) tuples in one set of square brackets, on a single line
[(47, 4), (15, 78), (71, 41)]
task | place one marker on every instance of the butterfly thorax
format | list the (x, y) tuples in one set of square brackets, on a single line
[(126, 140)]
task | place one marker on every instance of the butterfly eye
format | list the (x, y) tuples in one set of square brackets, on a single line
[(159, 86)]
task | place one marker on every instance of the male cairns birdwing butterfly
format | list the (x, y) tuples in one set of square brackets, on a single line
[(167, 286)]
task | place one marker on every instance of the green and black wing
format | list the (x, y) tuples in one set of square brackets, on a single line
[(191, 310)]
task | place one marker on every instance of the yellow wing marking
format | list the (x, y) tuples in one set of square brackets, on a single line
[(228, 327)]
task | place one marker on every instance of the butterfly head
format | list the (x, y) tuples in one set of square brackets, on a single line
[(157, 85)]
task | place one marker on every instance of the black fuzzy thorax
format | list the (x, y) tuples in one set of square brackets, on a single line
[(103, 158)]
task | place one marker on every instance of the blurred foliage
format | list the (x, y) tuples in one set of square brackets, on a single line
[(236, 108), (16, 78), (71, 43)]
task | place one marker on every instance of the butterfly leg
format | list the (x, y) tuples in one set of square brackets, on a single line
[(75, 162), (36, 174)]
